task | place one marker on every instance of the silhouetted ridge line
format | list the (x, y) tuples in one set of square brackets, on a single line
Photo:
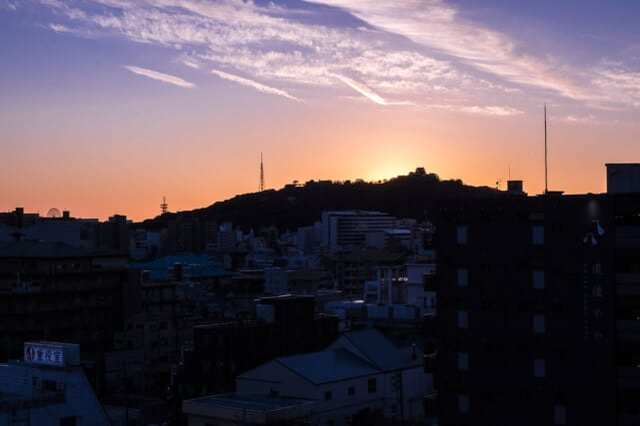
[(295, 205)]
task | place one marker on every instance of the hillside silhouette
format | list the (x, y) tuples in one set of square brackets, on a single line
[(296, 205)]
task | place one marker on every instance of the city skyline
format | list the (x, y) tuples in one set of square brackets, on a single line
[(109, 105)]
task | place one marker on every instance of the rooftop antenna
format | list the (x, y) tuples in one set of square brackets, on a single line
[(164, 207), (261, 174), (546, 180)]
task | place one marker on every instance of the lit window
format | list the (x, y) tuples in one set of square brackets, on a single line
[(539, 368), (538, 279), (537, 235), (463, 319), (463, 361), (461, 234), (463, 278), (559, 415), (538, 324), (463, 403)]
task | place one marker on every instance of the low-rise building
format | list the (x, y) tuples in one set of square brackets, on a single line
[(361, 372), (48, 387)]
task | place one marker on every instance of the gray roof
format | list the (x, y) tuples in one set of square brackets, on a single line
[(251, 402), (328, 366), (380, 351)]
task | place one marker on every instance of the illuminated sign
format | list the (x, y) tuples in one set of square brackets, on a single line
[(44, 354)]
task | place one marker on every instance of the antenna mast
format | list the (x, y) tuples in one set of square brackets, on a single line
[(546, 180), (164, 207), (261, 174)]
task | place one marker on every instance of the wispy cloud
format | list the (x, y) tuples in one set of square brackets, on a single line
[(592, 120), (266, 43), (190, 63), (437, 25), (8, 5), (60, 28), (155, 75), (577, 119), (488, 110), (619, 83), (502, 111), (254, 84), (425, 51), (367, 92)]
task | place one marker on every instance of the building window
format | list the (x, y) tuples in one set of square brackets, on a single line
[(328, 395), (463, 361), (463, 403), (372, 386), (68, 421), (537, 235), (539, 368), (49, 386), (461, 234), (538, 279), (351, 391), (463, 319), (538, 324), (462, 279), (559, 414)]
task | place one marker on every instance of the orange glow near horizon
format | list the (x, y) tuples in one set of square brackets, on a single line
[(197, 172)]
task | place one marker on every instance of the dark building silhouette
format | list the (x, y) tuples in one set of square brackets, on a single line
[(352, 269), (285, 325), (538, 311), (114, 234), (53, 291)]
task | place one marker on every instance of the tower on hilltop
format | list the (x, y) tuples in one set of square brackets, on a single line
[(164, 207), (261, 174)]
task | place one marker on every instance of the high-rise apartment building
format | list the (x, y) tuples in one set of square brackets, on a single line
[(538, 311)]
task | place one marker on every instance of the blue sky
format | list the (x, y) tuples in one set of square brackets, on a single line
[(577, 53)]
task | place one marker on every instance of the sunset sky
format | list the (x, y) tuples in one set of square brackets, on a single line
[(106, 106)]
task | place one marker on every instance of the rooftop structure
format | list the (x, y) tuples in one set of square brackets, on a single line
[(623, 178)]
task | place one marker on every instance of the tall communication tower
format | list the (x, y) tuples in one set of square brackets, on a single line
[(546, 183), (164, 207), (261, 174)]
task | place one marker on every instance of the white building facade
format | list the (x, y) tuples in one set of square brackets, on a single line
[(349, 228)]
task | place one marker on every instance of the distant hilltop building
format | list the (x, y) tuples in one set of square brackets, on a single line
[(623, 178), (349, 228), (91, 234)]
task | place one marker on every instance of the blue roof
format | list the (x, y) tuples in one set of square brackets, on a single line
[(198, 266), (328, 366)]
